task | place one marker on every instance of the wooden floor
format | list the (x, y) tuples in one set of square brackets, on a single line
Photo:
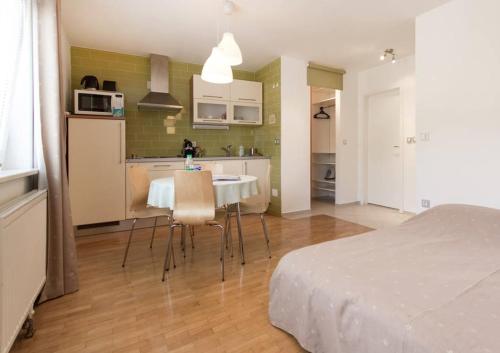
[(131, 311)]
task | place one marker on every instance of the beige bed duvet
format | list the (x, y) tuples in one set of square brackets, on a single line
[(431, 285)]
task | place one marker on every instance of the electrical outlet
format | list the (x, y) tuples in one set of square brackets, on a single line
[(274, 192), (277, 141), (426, 203)]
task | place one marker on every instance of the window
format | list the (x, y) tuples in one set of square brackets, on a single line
[(16, 84)]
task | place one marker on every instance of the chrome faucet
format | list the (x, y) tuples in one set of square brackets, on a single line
[(227, 149)]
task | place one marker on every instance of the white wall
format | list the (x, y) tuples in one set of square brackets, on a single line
[(295, 136), (458, 103), (347, 142), (399, 76)]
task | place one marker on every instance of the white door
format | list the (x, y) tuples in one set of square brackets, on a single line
[(384, 175)]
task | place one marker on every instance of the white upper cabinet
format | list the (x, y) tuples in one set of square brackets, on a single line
[(237, 103), (207, 90), (245, 113), (209, 111), (246, 91)]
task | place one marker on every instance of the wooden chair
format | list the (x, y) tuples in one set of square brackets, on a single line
[(139, 182), (194, 205), (257, 204), (216, 169)]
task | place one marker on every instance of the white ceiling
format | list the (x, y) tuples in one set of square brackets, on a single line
[(348, 34)]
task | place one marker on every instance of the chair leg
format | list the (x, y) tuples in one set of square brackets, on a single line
[(183, 236), (222, 250), (240, 235), (166, 264), (226, 238), (266, 233), (128, 244), (192, 236), (173, 254), (153, 236), (230, 234)]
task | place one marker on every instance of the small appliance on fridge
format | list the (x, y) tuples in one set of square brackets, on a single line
[(95, 102)]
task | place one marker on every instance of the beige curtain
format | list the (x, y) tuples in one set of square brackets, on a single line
[(62, 271)]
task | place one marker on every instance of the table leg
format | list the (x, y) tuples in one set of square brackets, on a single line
[(240, 235)]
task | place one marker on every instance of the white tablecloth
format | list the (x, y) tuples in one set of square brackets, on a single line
[(161, 191)]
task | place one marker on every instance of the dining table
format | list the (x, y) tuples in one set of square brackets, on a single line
[(229, 191)]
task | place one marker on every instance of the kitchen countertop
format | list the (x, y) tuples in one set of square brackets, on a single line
[(180, 159)]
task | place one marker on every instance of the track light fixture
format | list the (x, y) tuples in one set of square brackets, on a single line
[(388, 53)]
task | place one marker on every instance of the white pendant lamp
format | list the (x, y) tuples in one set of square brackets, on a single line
[(217, 69), (230, 49)]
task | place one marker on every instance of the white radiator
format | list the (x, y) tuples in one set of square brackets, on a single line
[(23, 242)]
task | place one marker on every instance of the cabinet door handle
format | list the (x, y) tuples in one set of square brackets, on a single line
[(120, 133), (246, 169), (209, 96), (161, 165), (247, 99)]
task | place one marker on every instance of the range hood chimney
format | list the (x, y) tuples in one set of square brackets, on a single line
[(158, 98)]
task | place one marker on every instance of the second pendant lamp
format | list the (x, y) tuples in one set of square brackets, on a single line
[(230, 49)]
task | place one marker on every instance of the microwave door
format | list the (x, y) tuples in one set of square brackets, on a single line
[(97, 103)]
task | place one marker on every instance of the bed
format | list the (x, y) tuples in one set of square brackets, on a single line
[(430, 285)]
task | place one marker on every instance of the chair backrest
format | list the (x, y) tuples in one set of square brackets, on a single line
[(194, 197), (215, 168), (139, 187)]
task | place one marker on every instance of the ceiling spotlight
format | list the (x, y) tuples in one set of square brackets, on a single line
[(389, 53)]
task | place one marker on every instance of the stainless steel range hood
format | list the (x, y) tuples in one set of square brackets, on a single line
[(158, 98)]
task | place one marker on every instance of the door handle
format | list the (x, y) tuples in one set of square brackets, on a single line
[(120, 132), (395, 146)]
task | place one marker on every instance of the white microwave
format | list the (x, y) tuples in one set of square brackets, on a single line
[(95, 102)]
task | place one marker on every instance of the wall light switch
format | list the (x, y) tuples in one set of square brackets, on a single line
[(272, 118), (274, 192), (425, 136), (170, 130), (148, 85)]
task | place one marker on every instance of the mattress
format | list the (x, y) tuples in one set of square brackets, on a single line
[(430, 285)]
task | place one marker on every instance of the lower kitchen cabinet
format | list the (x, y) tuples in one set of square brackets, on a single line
[(259, 168), (96, 169)]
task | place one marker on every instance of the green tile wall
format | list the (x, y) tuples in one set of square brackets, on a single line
[(270, 76), (145, 132)]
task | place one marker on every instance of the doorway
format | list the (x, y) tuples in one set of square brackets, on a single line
[(324, 114), (384, 167)]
